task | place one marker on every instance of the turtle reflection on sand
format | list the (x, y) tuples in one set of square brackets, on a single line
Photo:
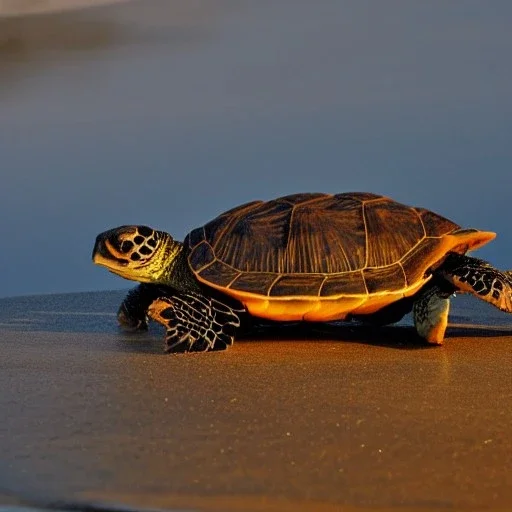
[(310, 257)]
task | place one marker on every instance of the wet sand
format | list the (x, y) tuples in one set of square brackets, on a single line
[(337, 419)]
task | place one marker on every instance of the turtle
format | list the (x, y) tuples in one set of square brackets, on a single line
[(311, 257)]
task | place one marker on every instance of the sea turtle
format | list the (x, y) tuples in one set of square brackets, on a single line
[(311, 257)]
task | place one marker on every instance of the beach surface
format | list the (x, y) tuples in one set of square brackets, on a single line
[(328, 419)]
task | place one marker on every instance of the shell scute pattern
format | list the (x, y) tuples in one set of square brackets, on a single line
[(294, 199), (423, 255), (254, 241), (288, 285), (352, 283), (256, 282), (326, 237), (392, 231), (318, 245), (201, 256), (392, 275), (219, 273), (434, 224), (195, 237)]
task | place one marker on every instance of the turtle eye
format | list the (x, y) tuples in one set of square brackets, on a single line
[(126, 246)]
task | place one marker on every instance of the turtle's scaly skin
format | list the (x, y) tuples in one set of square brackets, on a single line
[(196, 322), (319, 257)]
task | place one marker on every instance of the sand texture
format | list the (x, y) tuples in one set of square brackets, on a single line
[(330, 419)]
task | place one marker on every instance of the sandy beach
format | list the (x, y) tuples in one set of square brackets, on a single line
[(331, 419)]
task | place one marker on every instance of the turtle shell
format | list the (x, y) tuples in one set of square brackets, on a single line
[(319, 257)]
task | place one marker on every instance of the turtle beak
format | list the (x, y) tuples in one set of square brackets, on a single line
[(98, 248), (106, 249)]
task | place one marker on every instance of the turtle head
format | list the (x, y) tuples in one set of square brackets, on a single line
[(138, 253)]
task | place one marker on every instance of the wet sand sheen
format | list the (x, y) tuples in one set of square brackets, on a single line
[(290, 424)]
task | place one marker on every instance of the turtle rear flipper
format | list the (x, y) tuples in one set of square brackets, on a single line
[(195, 323), (472, 275), (430, 311)]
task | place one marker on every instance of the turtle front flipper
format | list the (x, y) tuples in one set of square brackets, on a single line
[(195, 323), (472, 275), (132, 314)]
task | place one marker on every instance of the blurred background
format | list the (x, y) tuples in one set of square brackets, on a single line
[(167, 112)]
